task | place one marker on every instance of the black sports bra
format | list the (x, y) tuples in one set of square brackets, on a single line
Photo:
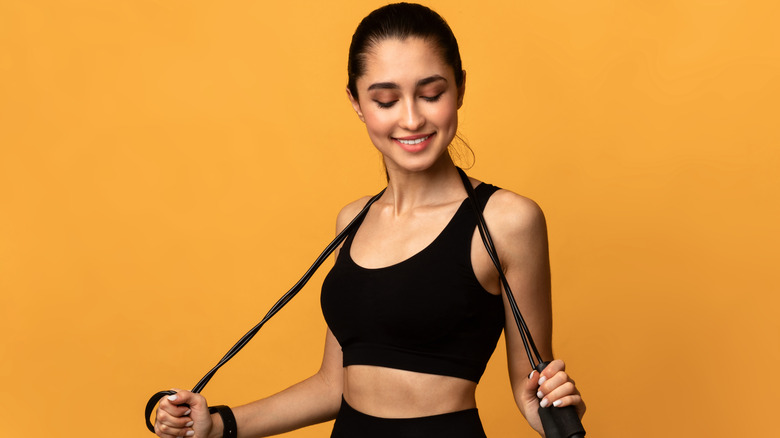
[(428, 313)]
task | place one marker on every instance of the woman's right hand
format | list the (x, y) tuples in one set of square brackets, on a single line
[(184, 414)]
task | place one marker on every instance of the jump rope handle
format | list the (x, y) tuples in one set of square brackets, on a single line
[(560, 422)]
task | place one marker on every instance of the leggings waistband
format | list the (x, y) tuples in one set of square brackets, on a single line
[(351, 423)]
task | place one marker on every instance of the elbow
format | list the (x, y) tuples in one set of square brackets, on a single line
[(332, 385)]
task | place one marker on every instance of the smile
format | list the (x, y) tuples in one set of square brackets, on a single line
[(415, 141)]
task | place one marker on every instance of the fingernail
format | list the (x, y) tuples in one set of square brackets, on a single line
[(557, 403), (173, 397), (190, 433), (542, 380), (188, 412), (539, 394), (192, 422), (544, 403), (531, 376)]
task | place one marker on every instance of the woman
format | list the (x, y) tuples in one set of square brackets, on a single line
[(413, 304)]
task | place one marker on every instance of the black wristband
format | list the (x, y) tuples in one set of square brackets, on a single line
[(229, 426)]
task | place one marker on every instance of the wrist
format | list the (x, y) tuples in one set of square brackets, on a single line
[(216, 426), (227, 420)]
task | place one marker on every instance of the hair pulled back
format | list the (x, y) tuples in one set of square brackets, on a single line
[(401, 21)]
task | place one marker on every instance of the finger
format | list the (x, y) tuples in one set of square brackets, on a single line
[(162, 435), (572, 400), (549, 398), (178, 398), (166, 431), (173, 415), (533, 380), (187, 403), (167, 425), (199, 411), (173, 410), (190, 399), (551, 369), (558, 379), (174, 401), (168, 410), (171, 421), (198, 406), (569, 400)]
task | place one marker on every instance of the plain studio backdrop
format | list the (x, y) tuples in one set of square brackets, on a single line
[(169, 168)]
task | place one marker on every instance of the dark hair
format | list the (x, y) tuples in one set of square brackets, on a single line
[(401, 21)]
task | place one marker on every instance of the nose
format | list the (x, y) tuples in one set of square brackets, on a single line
[(411, 119)]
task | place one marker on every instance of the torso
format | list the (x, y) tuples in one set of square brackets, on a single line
[(391, 393), (384, 240)]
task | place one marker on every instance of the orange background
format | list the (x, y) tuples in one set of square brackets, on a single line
[(169, 168)]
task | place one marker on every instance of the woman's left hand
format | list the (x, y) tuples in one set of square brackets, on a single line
[(553, 387)]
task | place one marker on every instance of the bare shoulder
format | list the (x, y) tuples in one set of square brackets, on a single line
[(349, 211), (513, 215)]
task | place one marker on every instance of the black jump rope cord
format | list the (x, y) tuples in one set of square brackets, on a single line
[(557, 422)]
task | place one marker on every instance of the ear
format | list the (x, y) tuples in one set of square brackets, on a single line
[(355, 105), (462, 90)]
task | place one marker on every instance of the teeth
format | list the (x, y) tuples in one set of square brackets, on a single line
[(418, 141)]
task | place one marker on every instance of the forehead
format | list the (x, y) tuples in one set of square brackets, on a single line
[(403, 61)]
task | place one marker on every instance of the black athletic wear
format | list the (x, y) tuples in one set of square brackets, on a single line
[(353, 424), (427, 313)]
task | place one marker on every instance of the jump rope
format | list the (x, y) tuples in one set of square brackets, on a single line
[(558, 422)]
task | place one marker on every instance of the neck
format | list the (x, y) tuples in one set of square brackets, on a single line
[(438, 184)]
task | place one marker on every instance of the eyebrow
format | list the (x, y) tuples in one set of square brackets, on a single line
[(394, 86)]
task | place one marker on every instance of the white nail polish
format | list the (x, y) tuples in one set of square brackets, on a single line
[(173, 397), (188, 412), (557, 403), (544, 403), (539, 394), (192, 422), (190, 433), (542, 380)]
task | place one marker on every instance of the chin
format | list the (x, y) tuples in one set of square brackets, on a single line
[(419, 163)]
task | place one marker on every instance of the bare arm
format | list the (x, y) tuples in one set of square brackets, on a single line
[(520, 233), (311, 401), (314, 400)]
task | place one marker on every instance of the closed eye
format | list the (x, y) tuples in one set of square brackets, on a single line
[(432, 98), (381, 104)]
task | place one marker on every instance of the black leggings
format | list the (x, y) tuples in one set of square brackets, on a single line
[(353, 424)]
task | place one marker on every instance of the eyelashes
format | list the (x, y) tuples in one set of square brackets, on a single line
[(432, 98), (385, 105)]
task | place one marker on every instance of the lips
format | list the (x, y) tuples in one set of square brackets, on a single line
[(414, 143)]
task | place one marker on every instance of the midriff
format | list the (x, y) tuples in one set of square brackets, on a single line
[(392, 393)]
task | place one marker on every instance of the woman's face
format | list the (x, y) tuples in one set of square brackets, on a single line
[(409, 102)]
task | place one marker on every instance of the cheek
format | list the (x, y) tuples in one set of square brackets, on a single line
[(445, 110), (445, 115), (377, 122)]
